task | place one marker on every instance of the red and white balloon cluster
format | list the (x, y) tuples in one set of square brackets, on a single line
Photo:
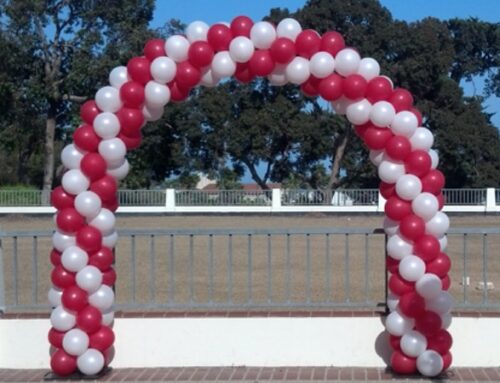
[(321, 65)]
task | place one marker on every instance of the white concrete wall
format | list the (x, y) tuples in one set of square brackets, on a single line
[(166, 342)]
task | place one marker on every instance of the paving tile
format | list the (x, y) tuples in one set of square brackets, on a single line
[(213, 373), (333, 373), (252, 373), (319, 373), (265, 373), (292, 373)]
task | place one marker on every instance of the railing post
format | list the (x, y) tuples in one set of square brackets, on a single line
[(276, 200), (490, 200), (2, 280), (170, 200), (381, 203)]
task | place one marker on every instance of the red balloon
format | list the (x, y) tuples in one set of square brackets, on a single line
[(398, 147), (89, 319), (69, 220), (355, 86), (447, 360), (62, 278), (418, 162), (412, 305), (441, 200), (89, 239), (307, 43), (282, 50), (132, 94), (86, 138), (310, 87), (402, 364), (441, 342), (219, 36), (428, 323), (56, 337), (74, 298), (243, 74), (261, 63), (177, 92), (397, 208), (401, 99), (102, 259), (412, 227), (138, 70), (109, 277), (111, 205), (331, 88), (417, 114), (241, 26), (332, 42), (131, 142), (187, 75), (93, 166), (399, 286), (62, 363), (446, 282), (392, 264), (154, 48), (131, 121), (60, 199), (394, 341), (376, 138), (102, 339), (378, 89), (105, 187), (200, 54), (360, 130), (55, 257), (440, 265), (387, 190), (433, 182), (427, 247), (89, 111)]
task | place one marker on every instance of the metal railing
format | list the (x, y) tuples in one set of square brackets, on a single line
[(250, 268), (142, 197), (465, 196), (339, 197), (223, 198)]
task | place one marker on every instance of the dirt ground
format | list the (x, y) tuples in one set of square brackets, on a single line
[(220, 270)]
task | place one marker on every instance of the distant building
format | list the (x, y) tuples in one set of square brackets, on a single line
[(246, 187)]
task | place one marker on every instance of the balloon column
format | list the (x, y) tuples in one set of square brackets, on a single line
[(322, 65)]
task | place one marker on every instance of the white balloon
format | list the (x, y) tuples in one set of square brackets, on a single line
[(75, 182), (289, 28), (104, 222), (411, 268), (382, 114), (413, 343), (71, 156), (425, 205), (430, 363), (121, 171), (404, 124), (197, 31), (90, 362), (422, 139), (438, 225), (429, 286), (75, 342), (376, 157), (443, 242), (208, 79), (110, 240), (358, 112), (118, 76), (74, 258), (347, 62), (297, 70), (441, 304), (322, 64), (223, 65), (391, 171), (89, 278), (391, 227), (263, 34), (62, 241), (369, 68), (446, 320), (241, 49), (278, 75), (392, 301), (398, 248), (61, 319), (177, 48), (88, 204), (408, 187), (397, 324), (157, 95), (54, 296), (108, 317), (108, 99), (106, 125), (113, 150), (340, 105), (163, 69), (152, 114), (103, 298), (434, 158)]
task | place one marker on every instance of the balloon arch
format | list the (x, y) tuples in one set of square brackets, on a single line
[(383, 117)]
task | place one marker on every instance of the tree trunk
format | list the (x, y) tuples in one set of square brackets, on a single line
[(339, 151), (48, 169)]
